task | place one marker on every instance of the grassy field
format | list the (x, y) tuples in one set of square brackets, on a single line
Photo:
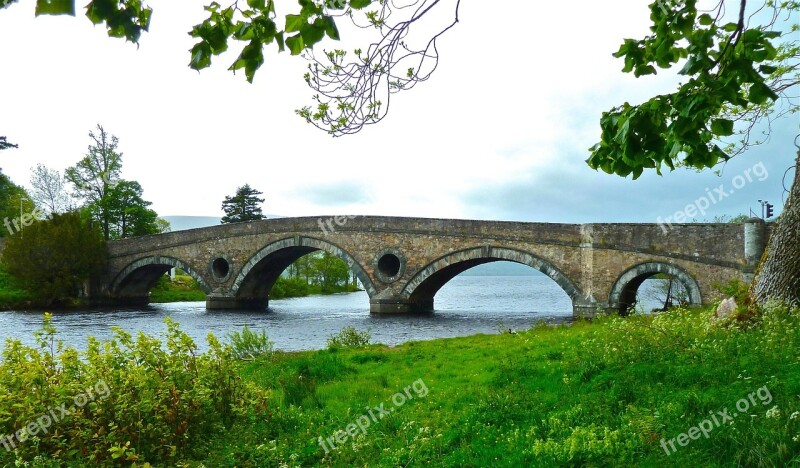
[(676, 389), (672, 390)]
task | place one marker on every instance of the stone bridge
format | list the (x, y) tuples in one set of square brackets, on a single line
[(403, 262)]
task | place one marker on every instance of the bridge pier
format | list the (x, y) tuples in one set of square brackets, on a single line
[(586, 309), (399, 306), (227, 302)]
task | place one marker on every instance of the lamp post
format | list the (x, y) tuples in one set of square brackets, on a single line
[(21, 225)]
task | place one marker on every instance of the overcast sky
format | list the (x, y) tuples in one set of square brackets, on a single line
[(500, 131)]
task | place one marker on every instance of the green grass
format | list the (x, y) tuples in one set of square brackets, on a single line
[(183, 288), (588, 394), (12, 296)]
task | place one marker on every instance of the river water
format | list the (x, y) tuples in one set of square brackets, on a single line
[(467, 305)]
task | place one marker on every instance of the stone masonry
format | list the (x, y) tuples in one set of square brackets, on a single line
[(403, 262)]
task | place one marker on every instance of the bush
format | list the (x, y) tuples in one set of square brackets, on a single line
[(349, 337), (248, 345), (289, 287), (126, 400)]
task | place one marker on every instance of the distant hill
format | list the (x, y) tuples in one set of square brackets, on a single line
[(182, 223), (502, 269)]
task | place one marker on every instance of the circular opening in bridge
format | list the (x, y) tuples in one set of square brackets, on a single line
[(220, 267), (389, 264)]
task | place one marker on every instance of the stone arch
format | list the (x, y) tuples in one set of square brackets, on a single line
[(138, 277), (259, 273), (421, 288), (623, 293)]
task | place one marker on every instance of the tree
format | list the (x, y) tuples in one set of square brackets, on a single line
[(5, 144), (331, 271), (735, 72), (350, 90), (15, 203), (129, 215), (49, 192), (243, 206), (56, 256), (96, 174)]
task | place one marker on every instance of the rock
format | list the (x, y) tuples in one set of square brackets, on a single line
[(726, 310)]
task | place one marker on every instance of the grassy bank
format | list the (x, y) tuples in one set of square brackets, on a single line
[(670, 390), (597, 394)]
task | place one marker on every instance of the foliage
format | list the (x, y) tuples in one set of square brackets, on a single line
[(12, 293), (736, 289), (349, 337), (249, 345), (128, 212), (244, 206), (14, 203), (289, 287), (115, 203), (55, 257), (144, 400), (734, 71), (49, 192), (183, 288), (4, 143), (96, 174), (589, 394), (349, 92)]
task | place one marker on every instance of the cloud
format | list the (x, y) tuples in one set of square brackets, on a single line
[(335, 194)]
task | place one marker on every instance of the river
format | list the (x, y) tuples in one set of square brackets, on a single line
[(467, 305)]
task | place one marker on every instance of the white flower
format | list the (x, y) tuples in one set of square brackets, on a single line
[(794, 415), (773, 412)]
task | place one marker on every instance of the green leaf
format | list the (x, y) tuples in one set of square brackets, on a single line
[(359, 4), (295, 44), (257, 4), (294, 23), (330, 27), (722, 127), (760, 92), (55, 7)]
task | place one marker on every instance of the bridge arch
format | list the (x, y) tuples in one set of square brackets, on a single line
[(623, 293), (423, 286), (139, 276), (259, 273)]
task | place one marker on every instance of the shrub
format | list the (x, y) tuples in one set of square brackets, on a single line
[(349, 337), (126, 400), (249, 345)]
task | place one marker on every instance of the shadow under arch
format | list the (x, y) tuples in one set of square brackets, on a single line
[(138, 277), (421, 289), (623, 293), (262, 270)]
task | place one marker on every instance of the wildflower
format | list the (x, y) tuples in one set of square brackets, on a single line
[(773, 412), (794, 415)]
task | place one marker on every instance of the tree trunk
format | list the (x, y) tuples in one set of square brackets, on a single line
[(778, 275)]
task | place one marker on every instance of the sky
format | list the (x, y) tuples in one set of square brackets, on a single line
[(500, 132)]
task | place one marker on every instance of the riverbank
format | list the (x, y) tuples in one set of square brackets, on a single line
[(669, 390), (183, 288)]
